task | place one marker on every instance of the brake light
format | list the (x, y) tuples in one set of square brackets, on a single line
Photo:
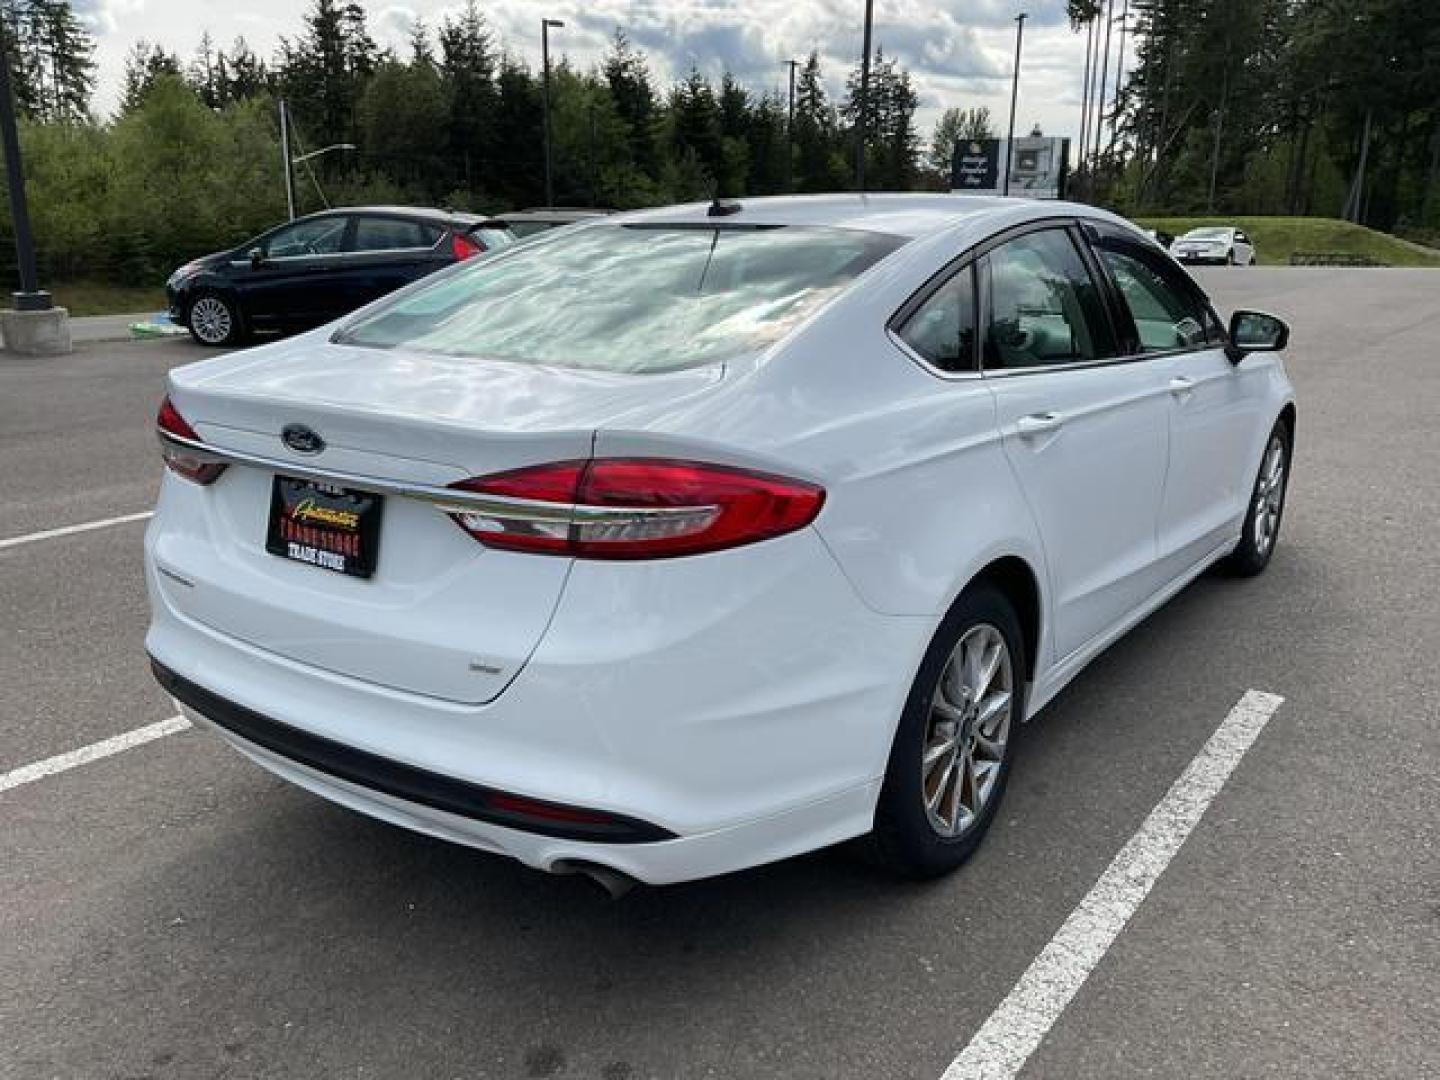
[(192, 464), (462, 246), (635, 508)]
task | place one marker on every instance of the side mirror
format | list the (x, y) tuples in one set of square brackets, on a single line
[(1255, 331), (256, 258)]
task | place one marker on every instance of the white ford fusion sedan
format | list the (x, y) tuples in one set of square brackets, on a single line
[(695, 538)]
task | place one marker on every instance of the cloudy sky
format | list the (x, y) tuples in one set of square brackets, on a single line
[(959, 52)]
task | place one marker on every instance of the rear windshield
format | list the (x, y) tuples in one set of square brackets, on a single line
[(628, 297), (1210, 232)]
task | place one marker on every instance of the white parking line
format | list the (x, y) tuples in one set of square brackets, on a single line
[(70, 530), (1006, 1040), (27, 774)]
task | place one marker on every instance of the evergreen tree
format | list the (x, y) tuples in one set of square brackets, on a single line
[(145, 63), (206, 75), (818, 161), (467, 66), (402, 117), (891, 141), (51, 58), (323, 72), (517, 154), (421, 51), (631, 88), (243, 74), (767, 146), (735, 116), (695, 129)]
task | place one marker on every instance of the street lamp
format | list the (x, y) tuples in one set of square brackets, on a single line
[(288, 163), (863, 117), (322, 150), (790, 130), (30, 297), (1014, 93), (545, 25)]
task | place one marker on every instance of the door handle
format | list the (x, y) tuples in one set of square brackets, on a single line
[(1039, 424), (1181, 385)]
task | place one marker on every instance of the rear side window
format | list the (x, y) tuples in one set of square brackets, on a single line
[(390, 234), (491, 237), (942, 329), (1045, 307), (636, 298), (1167, 313)]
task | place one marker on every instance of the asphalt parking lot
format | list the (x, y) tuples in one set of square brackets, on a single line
[(172, 911)]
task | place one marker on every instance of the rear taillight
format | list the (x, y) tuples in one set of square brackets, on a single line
[(186, 461), (462, 246), (635, 508)]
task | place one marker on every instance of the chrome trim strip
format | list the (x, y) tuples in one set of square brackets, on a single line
[(940, 373), (1105, 361), (449, 500)]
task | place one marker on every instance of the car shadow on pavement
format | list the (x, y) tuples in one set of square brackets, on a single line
[(288, 921)]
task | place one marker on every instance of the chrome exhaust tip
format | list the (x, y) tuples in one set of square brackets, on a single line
[(616, 883)]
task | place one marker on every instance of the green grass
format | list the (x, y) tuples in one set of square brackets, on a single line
[(98, 298), (1279, 237)]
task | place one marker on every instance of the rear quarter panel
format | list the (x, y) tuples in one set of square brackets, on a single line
[(919, 493)]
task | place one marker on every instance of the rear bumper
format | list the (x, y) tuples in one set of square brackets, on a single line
[(406, 783), (727, 727), (825, 821)]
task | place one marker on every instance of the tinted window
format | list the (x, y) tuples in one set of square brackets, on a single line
[(1167, 312), (633, 298), (942, 329), (1044, 305), (388, 234), (320, 236)]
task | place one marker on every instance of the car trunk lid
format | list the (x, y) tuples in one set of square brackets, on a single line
[(441, 615)]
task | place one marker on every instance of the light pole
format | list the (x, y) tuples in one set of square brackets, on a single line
[(323, 150), (285, 159), (1119, 71), (30, 297), (545, 25), (1014, 93), (862, 120), (1104, 78), (790, 130), (1085, 92)]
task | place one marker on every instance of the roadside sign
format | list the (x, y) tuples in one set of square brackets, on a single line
[(1039, 167)]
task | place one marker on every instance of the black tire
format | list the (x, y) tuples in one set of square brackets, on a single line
[(1254, 551), (218, 318), (905, 840)]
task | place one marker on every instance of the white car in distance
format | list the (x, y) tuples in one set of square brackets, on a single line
[(695, 538), (1218, 244)]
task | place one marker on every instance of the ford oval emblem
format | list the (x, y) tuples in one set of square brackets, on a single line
[(301, 439)]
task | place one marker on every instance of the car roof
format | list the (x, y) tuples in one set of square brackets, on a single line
[(420, 213), (910, 215), (552, 213)]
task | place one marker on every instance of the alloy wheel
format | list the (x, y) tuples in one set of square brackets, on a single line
[(967, 731), (1269, 496), (211, 320)]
